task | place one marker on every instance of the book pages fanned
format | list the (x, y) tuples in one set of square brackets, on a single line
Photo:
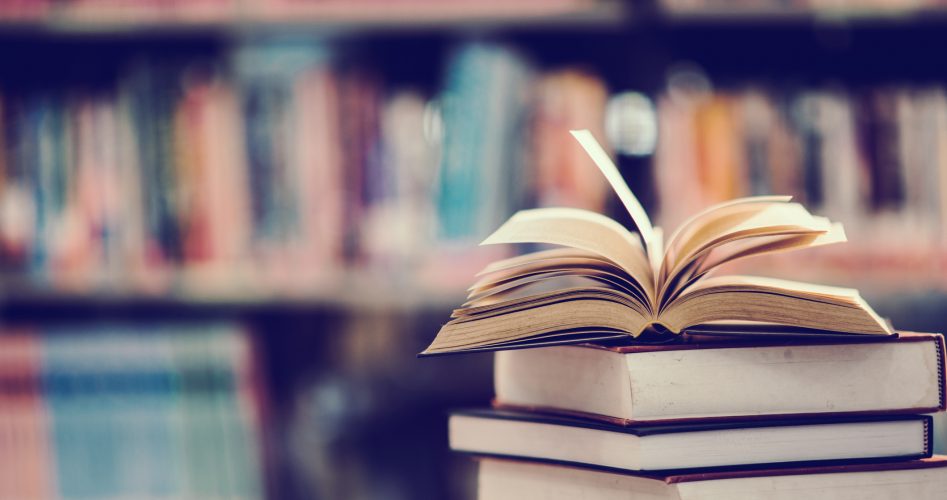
[(605, 281)]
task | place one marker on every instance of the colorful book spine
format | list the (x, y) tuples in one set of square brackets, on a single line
[(25, 470), (483, 112)]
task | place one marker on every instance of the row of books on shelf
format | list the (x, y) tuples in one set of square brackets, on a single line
[(287, 162), (873, 158), (281, 164), (128, 411)]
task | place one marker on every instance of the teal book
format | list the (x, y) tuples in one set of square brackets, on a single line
[(483, 108), (267, 74), (84, 433), (109, 395)]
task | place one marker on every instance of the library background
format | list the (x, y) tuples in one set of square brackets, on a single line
[(228, 226)]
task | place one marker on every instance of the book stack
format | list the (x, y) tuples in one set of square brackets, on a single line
[(712, 419), (619, 376)]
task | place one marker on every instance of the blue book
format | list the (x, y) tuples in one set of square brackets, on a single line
[(81, 418), (109, 393), (484, 108), (267, 74)]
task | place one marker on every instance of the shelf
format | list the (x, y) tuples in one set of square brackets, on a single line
[(434, 291), (327, 18), (347, 292), (804, 16), (339, 18)]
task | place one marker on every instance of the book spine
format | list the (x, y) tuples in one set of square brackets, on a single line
[(758, 122), (354, 126), (320, 187), (941, 372), (482, 108), (17, 206), (155, 91), (27, 471)]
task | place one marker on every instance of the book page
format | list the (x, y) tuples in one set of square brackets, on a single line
[(561, 255), (759, 246), (582, 312), (650, 236), (708, 216), (524, 283), (754, 218), (764, 220), (553, 261), (748, 248), (769, 300), (595, 268), (592, 291), (580, 229)]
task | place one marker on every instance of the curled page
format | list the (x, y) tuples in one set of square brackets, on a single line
[(580, 229), (650, 236), (770, 300)]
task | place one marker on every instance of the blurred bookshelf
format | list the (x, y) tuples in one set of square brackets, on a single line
[(308, 180)]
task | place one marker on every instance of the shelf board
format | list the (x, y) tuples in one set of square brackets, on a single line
[(349, 292), (803, 16), (438, 286), (337, 18), (331, 18)]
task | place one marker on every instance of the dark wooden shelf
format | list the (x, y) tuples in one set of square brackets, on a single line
[(331, 19), (348, 293), (802, 15)]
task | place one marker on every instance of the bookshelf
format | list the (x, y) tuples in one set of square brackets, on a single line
[(337, 346)]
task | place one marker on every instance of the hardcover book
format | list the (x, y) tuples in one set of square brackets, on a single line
[(905, 480), (690, 446), (717, 378)]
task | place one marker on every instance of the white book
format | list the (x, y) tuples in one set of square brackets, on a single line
[(689, 446), (910, 480), (714, 379)]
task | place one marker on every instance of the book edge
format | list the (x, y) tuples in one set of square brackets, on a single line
[(750, 341), (939, 345), (625, 422), (688, 427), (933, 462)]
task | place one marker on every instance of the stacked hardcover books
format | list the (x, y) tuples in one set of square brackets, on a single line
[(712, 419), (681, 386)]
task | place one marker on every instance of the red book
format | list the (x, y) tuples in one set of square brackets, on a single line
[(25, 464)]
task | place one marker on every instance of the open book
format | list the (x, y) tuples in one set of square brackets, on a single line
[(606, 282)]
